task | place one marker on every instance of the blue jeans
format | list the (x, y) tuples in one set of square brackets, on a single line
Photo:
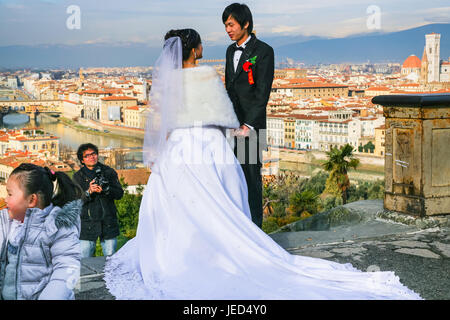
[(109, 246)]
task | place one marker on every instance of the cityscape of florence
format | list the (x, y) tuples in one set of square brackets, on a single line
[(356, 167)]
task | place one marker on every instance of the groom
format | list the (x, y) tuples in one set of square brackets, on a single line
[(249, 74)]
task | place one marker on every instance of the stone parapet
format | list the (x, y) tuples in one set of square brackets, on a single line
[(417, 158)]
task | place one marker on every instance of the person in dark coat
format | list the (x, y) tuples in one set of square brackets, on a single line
[(99, 213), (249, 73)]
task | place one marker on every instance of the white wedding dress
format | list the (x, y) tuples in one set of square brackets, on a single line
[(195, 238)]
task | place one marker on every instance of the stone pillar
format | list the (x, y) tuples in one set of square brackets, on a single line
[(417, 157)]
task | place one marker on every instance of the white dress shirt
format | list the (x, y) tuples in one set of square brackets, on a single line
[(238, 53)]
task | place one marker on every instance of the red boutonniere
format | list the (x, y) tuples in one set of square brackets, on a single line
[(248, 68)]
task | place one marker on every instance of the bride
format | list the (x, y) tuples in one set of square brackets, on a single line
[(195, 238)]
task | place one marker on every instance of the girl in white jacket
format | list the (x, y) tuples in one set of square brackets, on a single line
[(39, 235)]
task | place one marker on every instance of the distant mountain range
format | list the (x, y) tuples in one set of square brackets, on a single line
[(387, 47), (374, 47)]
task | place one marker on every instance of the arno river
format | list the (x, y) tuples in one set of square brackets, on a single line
[(73, 138)]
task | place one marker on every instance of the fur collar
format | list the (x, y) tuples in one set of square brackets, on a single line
[(206, 101), (65, 217), (68, 215)]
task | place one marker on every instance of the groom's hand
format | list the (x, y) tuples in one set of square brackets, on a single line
[(243, 131)]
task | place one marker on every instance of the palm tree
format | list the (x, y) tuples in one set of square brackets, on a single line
[(338, 163), (304, 201)]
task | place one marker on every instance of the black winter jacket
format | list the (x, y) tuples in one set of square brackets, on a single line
[(99, 212)]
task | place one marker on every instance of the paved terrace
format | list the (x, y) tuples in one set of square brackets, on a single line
[(363, 234)]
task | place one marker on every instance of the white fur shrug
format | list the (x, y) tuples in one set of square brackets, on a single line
[(206, 101)]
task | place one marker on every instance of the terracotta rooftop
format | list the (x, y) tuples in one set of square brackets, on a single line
[(72, 102), (133, 108), (378, 89), (335, 121), (412, 62), (309, 84), (115, 98), (97, 92)]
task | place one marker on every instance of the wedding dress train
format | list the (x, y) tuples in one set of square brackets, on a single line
[(196, 240)]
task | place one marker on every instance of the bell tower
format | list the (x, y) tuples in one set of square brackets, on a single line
[(424, 67), (81, 78), (433, 48)]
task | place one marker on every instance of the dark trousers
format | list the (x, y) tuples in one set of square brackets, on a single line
[(248, 151)]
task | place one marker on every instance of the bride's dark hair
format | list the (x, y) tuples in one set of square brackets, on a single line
[(189, 39)]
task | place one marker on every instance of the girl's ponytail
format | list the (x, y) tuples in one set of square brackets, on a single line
[(66, 190)]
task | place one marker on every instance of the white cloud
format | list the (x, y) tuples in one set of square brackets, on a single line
[(437, 15), (286, 29), (294, 7), (443, 10), (43, 21), (215, 36), (14, 6)]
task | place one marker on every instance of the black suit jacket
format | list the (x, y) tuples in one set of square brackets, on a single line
[(250, 101)]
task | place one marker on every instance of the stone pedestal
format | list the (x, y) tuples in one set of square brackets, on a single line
[(417, 158)]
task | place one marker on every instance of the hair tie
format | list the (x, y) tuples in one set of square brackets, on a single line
[(51, 174)]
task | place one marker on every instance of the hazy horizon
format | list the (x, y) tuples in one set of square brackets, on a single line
[(45, 22)]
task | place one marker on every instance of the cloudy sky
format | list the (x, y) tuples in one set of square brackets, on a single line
[(36, 22)]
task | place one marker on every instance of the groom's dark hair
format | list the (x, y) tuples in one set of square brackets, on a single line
[(241, 13)]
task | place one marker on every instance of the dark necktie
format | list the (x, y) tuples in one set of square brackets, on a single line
[(238, 49)]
